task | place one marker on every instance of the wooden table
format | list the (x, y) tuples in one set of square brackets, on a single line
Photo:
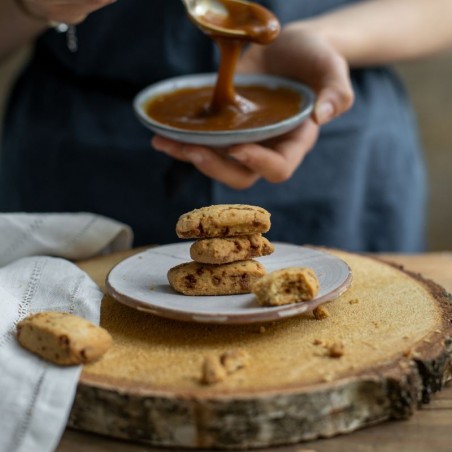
[(430, 429)]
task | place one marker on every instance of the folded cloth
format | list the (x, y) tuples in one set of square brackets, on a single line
[(36, 396)]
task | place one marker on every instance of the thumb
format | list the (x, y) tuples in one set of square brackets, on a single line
[(331, 102), (335, 96)]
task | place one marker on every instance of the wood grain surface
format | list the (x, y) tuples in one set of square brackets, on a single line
[(428, 430)]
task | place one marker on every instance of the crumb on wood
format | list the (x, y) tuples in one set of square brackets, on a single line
[(336, 350), (212, 370), (353, 301), (215, 368), (318, 342), (234, 360), (328, 377), (321, 313), (262, 329), (407, 353)]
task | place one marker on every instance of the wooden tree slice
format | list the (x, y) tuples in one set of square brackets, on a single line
[(395, 328)]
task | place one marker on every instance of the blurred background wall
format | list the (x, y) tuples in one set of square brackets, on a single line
[(430, 84)]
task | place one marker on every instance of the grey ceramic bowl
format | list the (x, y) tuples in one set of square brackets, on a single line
[(227, 137)]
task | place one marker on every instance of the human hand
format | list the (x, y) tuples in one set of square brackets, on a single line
[(299, 54), (304, 54), (67, 11), (241, 166)]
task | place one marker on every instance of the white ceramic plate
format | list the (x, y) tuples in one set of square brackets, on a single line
[(227, 137), (140, 282)]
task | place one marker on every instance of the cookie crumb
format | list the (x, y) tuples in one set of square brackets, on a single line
[(336, 350), (321, 313), (318, 342), (216, 368), (234, 360), (262, 329), (353, 301), (212, 370)]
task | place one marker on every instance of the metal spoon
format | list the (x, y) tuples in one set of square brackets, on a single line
[(199, 10)]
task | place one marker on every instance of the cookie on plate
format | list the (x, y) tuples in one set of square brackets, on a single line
[(193, 278), (222, 250), (288, 285), (63, 338), (223, 220)]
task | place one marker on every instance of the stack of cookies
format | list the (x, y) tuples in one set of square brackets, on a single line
[(228, 237)]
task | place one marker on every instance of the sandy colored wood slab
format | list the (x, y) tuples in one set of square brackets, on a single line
[(396, 334)]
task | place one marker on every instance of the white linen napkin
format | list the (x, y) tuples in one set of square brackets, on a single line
[(36, 396)]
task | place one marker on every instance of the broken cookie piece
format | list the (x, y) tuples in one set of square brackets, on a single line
[(63, 338), (288, 285)]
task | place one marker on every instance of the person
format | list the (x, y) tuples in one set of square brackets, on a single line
[(351, 176)]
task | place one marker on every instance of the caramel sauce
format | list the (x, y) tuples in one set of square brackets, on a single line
[(188, 108), (223, 107)]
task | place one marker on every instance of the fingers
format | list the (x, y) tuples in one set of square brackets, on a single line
[(304, 54), (335, 93), (215, 164), (277, 159), (241, 166)]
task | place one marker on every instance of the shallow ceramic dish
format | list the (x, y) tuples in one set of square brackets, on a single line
[(140, 282), (226, 137)]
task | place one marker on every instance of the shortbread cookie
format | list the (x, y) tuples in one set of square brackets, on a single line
[(223, 220), (63, 338), (288, 285), (193, 278), (230, 249)]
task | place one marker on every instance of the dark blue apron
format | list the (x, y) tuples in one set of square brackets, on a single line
[(72, 143)]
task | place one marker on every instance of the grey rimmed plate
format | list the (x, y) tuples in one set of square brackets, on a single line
[(227, 137), (140, 282)]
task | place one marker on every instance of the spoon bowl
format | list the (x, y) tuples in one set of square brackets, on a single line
[(206, 14)]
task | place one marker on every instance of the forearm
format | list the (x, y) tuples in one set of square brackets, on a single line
[(16, 28), (386, 31)]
